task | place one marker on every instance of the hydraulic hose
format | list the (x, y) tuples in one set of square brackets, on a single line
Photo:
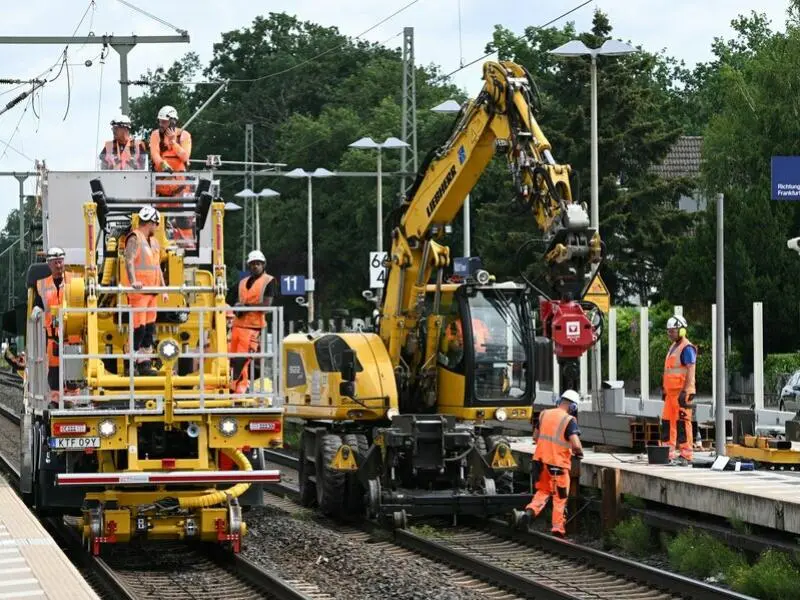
[(219, 496)]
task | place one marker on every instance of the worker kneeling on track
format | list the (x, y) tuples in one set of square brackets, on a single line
[(256, 290), (557, 439), (143, 268)]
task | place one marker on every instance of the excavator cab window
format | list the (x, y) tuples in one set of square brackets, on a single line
[(451, 344), (499, 345)]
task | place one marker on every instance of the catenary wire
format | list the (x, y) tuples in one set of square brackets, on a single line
[(152, 16), (519, 37)]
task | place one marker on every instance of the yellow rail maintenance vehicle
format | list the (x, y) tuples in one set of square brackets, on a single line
[(169, 455), (404, 422)]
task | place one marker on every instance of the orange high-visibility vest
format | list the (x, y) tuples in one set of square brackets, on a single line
[(123, 160), (674, 372), (52, 296), (480, 332), (252, 297), (551, 447), (146, 264), (159, 153)]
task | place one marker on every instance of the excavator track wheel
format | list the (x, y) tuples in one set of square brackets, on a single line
[(330, 483)]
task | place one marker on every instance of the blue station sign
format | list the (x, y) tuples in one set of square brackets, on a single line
[(786, 178)]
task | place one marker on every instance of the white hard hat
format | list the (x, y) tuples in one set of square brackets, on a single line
[(149, 214), (167, 112), (256, 255), (121, 120), (55, 252), (571, 396), (676, 322)]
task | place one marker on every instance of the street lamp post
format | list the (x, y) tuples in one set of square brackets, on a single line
[(297, 174), (368, 143), (451, 107), (609, 48)]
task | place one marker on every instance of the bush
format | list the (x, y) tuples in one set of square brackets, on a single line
[(699, 555), (628, 346), (773, 577), (776, 367), (632, 536)]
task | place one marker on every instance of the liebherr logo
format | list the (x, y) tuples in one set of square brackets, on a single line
[(437, 197)]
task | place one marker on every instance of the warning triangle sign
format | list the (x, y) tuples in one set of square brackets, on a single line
[(598, 286)]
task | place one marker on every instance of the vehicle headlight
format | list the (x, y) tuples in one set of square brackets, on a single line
[(228, 426), (107, 428), (500, 414), (392, 412), (168, 350)]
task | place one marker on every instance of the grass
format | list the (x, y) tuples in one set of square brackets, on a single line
[(633, 537), (701, 556), (773, 577), (291, 435)]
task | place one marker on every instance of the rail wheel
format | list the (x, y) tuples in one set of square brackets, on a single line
[(330, 483), (354, 492)]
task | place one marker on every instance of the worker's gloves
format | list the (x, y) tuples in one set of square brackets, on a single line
[(36, 312), (165, 167)]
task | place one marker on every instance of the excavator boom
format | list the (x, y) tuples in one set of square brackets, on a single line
[(500, 121)]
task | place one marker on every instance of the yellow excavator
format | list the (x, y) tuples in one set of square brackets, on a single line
[(397, 422)]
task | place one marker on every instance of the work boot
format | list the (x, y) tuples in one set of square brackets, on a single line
[(558, 532), (145, 368)]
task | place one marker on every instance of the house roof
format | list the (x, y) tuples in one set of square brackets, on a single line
[(683, 159)]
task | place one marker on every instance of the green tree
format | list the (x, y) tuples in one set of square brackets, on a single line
[(639, 112), (309, 91), (754, 93)]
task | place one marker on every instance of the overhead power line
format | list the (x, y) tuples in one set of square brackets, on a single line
[(519, 37), (155, 18), (288, 69)]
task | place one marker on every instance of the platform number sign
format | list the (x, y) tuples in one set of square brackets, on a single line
[(377, 272), (293, 285)]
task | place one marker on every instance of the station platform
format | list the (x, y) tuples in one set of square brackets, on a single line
[(31, 563), (765, 498)]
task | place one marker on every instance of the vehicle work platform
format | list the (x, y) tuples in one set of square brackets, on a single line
[(765, 498), (31, 563)]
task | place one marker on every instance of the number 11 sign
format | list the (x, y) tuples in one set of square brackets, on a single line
[(293, 285)]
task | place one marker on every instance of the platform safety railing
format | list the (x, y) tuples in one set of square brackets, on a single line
[(188, 392), (36, 361)]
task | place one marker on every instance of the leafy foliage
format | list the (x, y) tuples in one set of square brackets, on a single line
[(747, 94)]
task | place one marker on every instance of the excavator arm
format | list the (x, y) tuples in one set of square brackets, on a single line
[(500, 121)]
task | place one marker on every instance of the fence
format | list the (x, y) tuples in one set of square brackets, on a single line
[(189, 392)]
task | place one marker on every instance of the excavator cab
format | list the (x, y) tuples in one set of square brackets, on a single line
[(485, 363)]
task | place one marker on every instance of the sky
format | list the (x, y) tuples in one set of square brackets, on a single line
[(66, 125)]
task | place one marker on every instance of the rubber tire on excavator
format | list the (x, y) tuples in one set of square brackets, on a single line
[(354, 502), (505, 480), (308, 490), (330, 483)]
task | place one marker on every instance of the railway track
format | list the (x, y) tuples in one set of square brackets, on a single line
[(535, 565), (165, 571)]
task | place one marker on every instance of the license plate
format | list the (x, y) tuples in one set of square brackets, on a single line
[(74, 443)]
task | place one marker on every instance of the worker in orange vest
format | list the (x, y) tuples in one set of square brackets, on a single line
[(123, 153), (170, 150), (50, 293), (143, 269), (256, 290), (557, 438), (677, 391), (452, 345)]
